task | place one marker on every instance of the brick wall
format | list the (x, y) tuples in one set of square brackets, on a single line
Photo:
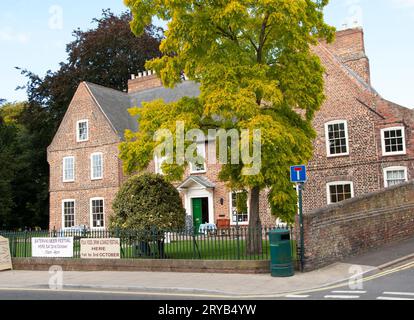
[(349, 47), (103, 139), (358, 225)]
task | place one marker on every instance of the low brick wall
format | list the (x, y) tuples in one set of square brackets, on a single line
[(357, 225), (195, 266)]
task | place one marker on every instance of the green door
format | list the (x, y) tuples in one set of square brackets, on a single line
[(197, 213)]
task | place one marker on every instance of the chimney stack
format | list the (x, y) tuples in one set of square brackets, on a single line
[(349, 47), (144, 81)]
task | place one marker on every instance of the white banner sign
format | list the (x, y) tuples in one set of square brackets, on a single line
[(5, 258), (52, 247), (100, 248)]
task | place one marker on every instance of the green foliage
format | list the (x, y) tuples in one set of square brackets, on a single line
[(257, 70), (241, 202), (145, 202), (106, 54), (21, 183)]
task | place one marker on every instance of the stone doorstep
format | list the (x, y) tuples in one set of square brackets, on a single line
[(193, 266)]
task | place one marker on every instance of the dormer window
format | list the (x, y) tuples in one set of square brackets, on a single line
[(393, 141), (82, 131)]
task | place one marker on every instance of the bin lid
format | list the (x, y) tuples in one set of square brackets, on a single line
[(279, 231)]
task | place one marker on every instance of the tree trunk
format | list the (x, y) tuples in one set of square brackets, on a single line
[(254, 235)]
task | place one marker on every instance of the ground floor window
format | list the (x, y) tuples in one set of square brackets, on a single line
[(68, 208), (239, 208), (339, 191), (97, 213), (394, 176)]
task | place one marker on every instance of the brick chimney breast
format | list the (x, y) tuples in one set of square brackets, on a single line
[(144, 81), (349, 47)]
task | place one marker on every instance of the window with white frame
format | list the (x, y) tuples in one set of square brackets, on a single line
[(82, 130), (394, 176), (336, 133), (199, 166), (96, 166), (340, 191), (68, 213), (97, 213), (68, 169), (239, 207), (393, 141)]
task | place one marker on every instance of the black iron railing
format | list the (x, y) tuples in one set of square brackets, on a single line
[(233, 243)]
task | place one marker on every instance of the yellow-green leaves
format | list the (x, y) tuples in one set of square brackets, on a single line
[(254, 62)]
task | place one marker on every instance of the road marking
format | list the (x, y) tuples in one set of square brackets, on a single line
[(399, 293), (296, 296), (394, 298), (222, 296), (365, 279), (341, 297), (350, 292)]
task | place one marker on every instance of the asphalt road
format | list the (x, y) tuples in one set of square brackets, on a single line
[(392, 284)]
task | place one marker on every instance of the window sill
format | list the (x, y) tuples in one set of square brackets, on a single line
[(98, 229), (394, 154), (243, 224), (342, 155)]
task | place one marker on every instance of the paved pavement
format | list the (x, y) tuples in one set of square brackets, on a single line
[(381, 257), (222, 286), (393, 284), (194, 283)]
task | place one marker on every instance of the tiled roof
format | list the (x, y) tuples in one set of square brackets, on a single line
[(204, 182), (115, 104)]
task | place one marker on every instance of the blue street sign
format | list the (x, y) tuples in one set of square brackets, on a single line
[(298, 174)]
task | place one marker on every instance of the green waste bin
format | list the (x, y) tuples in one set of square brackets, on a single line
[(281, 263)]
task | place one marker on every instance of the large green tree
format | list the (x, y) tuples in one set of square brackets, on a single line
[(15, 155), (256, 68)]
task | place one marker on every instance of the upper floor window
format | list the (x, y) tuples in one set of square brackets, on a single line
[(97, 213), (68, 169), (394, 176), (336, 133), (393, 141), (200, 166), (82, 130), (68, 213), (340, 191), (96, 166)]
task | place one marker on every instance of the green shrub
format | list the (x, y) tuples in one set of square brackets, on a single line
[(147, 202)]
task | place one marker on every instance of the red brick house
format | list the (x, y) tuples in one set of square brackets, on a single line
[(364, 143)]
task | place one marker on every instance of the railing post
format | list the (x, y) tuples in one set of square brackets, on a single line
[(25, 243)]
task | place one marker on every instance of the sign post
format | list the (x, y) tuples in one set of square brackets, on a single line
[(298, 175)]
